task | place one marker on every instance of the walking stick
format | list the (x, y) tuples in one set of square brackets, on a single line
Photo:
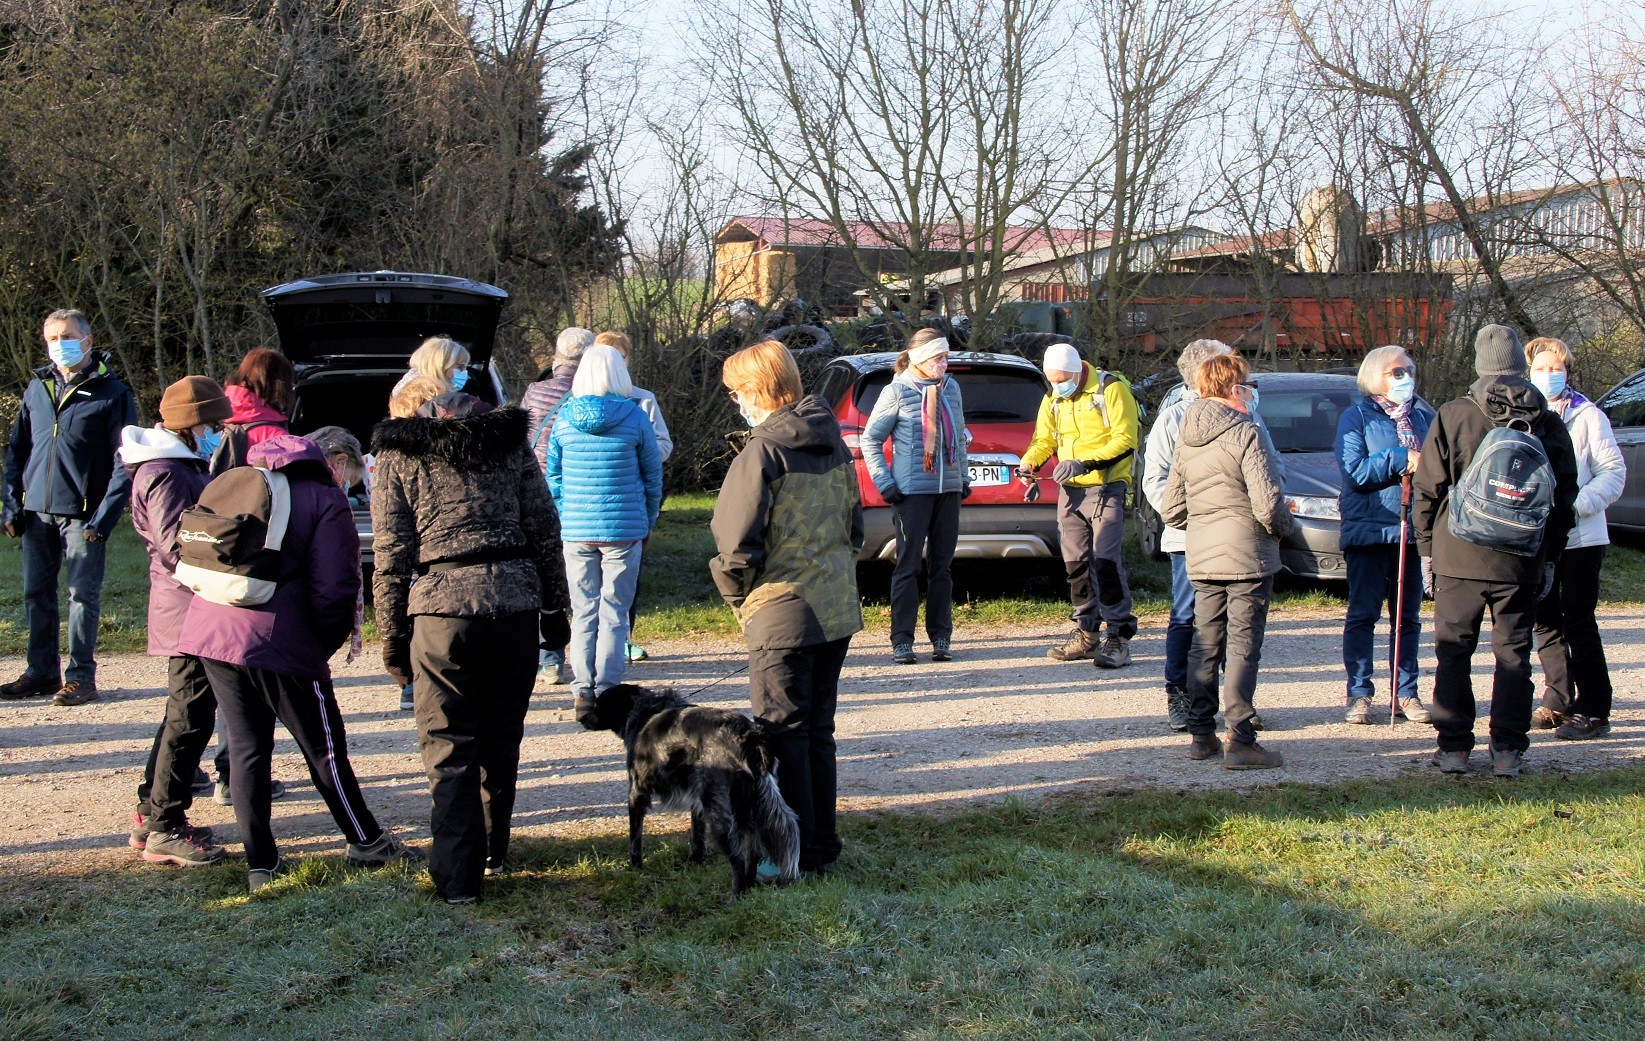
[(1399, 595)]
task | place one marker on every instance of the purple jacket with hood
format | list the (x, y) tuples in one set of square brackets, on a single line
[(312, 611), (166, 479)]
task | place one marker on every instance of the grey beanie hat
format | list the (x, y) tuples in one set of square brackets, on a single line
[(1497, 352)]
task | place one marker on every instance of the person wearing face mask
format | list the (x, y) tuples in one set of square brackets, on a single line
[(1378, 446), (787, 527), (63, 496), (1089, 422), (441, 359), (168, 470), (923, 416), (1576, 700)]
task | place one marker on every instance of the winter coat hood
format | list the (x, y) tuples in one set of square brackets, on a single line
[(598, 414), (1212, 419), (474, 442), (249, 408), (805, 426), (139, 445), (1510, 397), (290, 452)]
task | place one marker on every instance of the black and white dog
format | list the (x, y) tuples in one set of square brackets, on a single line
[(711, 761)]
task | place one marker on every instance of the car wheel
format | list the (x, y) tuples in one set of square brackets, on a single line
[(1149, 531)]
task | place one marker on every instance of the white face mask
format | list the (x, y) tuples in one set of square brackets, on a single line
[(1401, 389)]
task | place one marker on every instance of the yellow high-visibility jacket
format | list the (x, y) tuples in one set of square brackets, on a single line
[(1097, 426)]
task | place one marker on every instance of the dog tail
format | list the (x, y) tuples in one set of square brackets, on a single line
[(777, 826)]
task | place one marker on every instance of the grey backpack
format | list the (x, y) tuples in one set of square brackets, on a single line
[(1504, 497)]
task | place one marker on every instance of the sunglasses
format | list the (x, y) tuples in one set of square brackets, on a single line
[(1401, 371)]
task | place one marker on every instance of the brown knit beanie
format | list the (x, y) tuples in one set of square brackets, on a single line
[(193, 400)]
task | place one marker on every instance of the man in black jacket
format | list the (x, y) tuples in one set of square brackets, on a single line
[(63, 496), (1468, 577)]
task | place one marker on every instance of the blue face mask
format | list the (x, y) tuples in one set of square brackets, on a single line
[(1552, 384), (1066, 388), (458, 381), (206, 444), (66, 354), (1401, 389), (750, 420)]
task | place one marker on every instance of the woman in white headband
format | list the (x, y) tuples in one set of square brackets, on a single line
[(922, 416)]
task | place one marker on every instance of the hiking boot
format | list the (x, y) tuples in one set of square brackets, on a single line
[(138, 837), (563, 676), (903, 654), (1115, 653), (27, 686), (1176, 708), (1506, 762), (1451, 762), (1582, 728), (548, 663), (940, 651), (76, 692), (1080, 644), (222, 796), (1256, 722), (1204, 746), (1240, 756), (1546, 718), (386, 850), (408, 698), (1415, 710), (201, 783), (634, 652), (257, 878), (185, 847), (1359, 711), (585, 711)]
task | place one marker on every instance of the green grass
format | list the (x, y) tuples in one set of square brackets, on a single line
[(1417, 908), (679, 599)]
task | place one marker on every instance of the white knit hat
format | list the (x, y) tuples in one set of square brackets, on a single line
[(1061, 357)]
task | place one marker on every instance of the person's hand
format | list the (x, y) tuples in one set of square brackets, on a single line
[(92, 536), (965, 492), (14, 528), (397, 658), (1547, 581), (1025, 475), (893, 495), (1067, 470), (1412, 459)]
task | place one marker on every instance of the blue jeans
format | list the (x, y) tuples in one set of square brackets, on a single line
[(1373, 577), (1179, 632), (602, 577), (49, 541)]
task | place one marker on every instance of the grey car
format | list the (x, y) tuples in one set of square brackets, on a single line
[(1301, 410), (1625, 404)]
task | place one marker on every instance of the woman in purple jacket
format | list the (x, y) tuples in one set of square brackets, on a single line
[(271, 662)]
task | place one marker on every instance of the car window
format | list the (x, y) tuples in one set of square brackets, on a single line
[(991, 395), (1303, 420), (832, 384), (1626, 404)]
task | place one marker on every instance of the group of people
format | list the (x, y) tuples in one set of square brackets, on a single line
[(508, 543)]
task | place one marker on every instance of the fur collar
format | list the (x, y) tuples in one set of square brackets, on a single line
[(473, 442)]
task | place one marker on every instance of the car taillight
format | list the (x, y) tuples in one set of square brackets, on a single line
[(853, 442)]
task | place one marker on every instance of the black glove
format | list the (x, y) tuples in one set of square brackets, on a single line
[(397, 658), (1547, 581), (893, 495), (965, 492), (555, 628), (1067, 470)]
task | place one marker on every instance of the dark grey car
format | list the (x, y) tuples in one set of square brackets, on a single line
[(1301, 410), (1625, 404)]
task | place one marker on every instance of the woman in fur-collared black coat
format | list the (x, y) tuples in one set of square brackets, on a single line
[(460, 506)]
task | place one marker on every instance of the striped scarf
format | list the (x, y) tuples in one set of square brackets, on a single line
[(1401, 415), (937, 425)]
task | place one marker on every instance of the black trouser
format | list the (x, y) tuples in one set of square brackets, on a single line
[(1230, 621), (1459, 607), (167, 790), (473, 686), (1567, 638), (928, 529), (794, 693), (250, 700)]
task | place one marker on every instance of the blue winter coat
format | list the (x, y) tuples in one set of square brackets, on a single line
[(60, 459), (604, 470), (896, 418), (1372, 462)]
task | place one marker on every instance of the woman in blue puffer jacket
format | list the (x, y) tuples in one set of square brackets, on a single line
[(1378, 443), (922, 415), (606, 476)]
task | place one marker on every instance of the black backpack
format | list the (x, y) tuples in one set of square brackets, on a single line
[(228, 543), (236, 444), (1505, 496)]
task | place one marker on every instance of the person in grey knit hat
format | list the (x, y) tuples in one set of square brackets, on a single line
[(1470, 578)]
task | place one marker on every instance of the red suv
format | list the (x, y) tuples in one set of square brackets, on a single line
[(1002, 397)]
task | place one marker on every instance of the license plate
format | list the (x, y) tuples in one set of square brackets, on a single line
[(983, 475)]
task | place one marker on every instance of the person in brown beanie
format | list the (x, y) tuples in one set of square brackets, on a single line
[(168, 468), (1494, 534)]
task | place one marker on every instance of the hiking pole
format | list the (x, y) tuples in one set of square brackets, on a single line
[(1399, 595)]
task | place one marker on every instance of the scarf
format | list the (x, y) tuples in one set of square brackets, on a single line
[(937, 425), (1567, 402), (1401, 415)]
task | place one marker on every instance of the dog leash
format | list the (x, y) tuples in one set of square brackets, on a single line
[(722, 679)]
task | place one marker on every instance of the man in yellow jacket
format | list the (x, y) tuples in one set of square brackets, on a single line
[(1089, 421)]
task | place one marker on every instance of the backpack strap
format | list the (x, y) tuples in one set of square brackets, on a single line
[(546, 423)]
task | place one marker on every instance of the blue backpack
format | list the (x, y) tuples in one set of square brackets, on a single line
[(1504, 497)]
